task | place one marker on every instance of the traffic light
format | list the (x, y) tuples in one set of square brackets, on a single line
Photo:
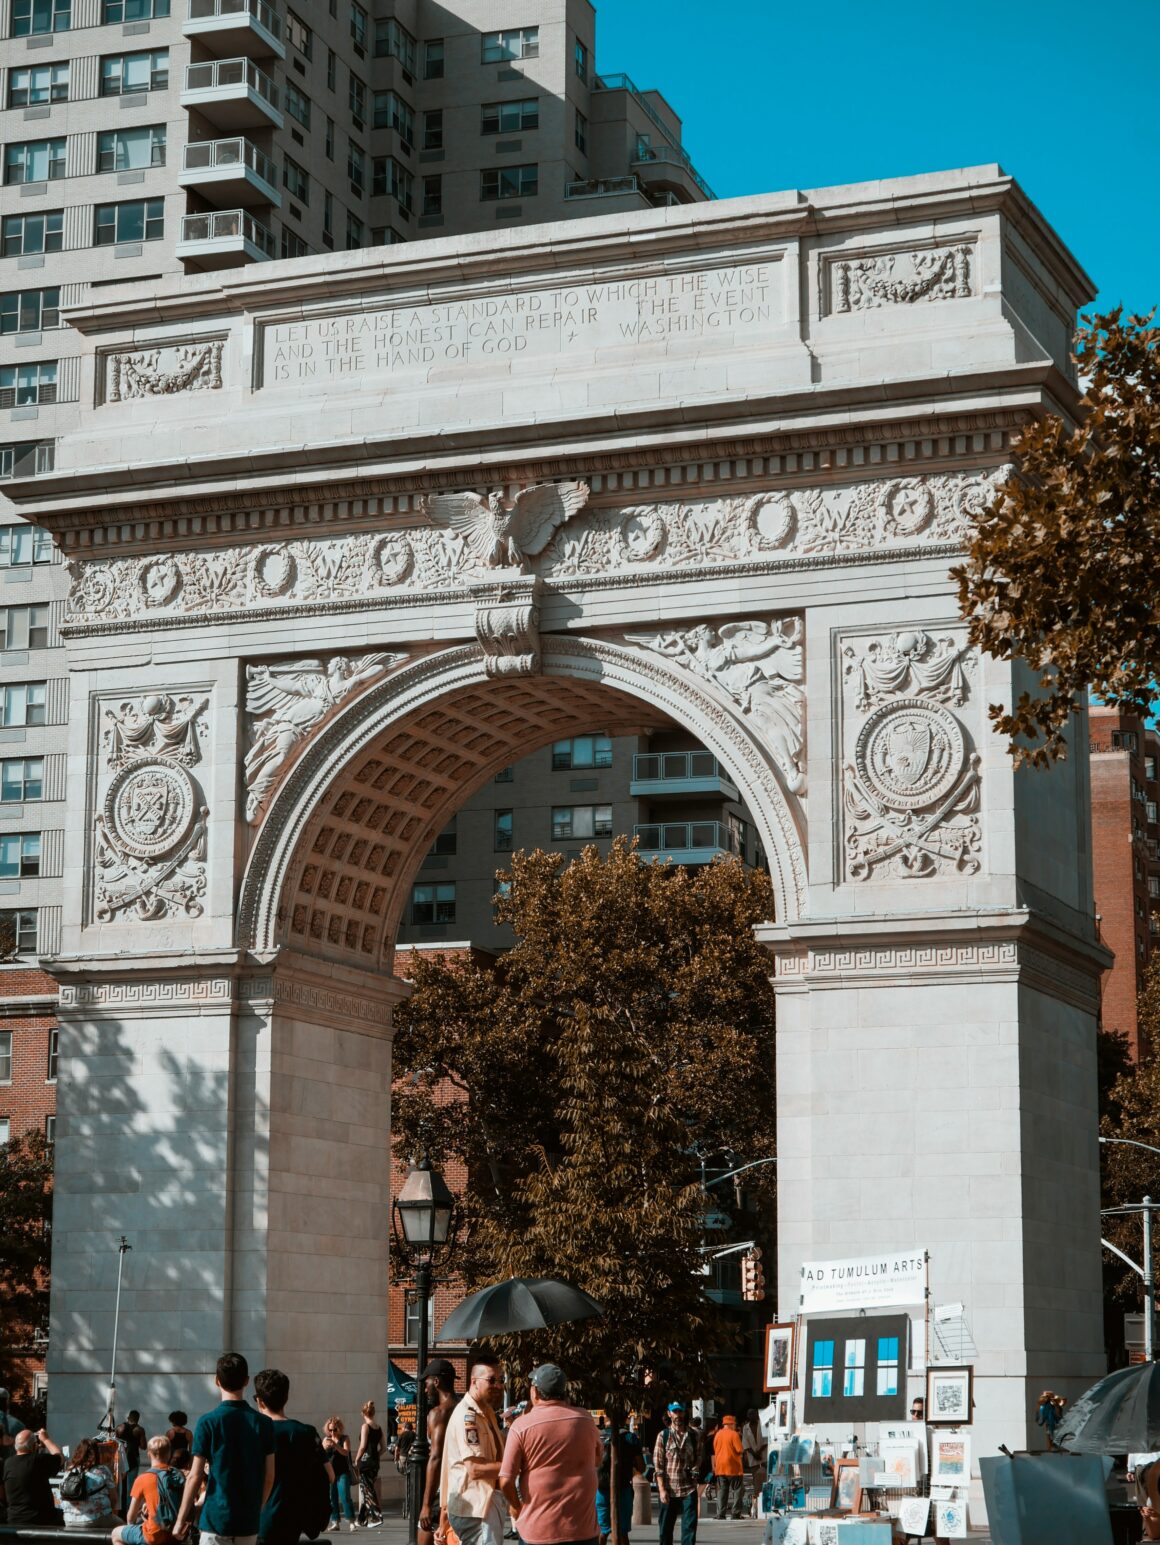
[(752, 1276)]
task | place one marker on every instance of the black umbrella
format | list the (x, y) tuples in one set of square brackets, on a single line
[(1119, 1415), (520, 1303)]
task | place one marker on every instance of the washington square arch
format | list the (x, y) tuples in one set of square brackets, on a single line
[(350, 534)]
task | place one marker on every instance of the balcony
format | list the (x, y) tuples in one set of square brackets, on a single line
[(608, 187), (657, 773), (667, 169), (226, 238), (232, 93), (250, 27), (230, 172), (679, 156), (686, 842)]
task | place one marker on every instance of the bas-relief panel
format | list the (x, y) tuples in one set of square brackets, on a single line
[(554, 536)]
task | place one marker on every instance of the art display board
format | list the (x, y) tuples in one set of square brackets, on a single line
[(950, 1459), (900, 1465), (951, 1519), (913, 1513), (865, 1282)]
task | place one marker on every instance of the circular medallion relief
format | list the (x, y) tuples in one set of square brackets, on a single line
[(391, 560), (96, 589), (909, 507), (642, 535), (910, 753), (772, 519), (150, 808), (159, 580), (273, 570)]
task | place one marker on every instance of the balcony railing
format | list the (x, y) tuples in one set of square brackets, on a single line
[(602, 187), (227, 224), (265, 15), (216, 154), (654, 766), (687, 837), (214, 74), (623, 82)]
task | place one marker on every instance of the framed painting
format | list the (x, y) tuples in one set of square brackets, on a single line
[(949, 1396), (950, 1460), (779, 1350), (847, 1495), (785, 1410)]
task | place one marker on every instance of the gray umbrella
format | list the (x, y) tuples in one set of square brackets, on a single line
[(1119, 1415), (520, 1303)]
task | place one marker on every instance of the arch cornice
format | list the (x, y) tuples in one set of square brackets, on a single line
[(690, 702)]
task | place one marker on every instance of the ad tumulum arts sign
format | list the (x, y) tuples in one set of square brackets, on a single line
[(348, 535)]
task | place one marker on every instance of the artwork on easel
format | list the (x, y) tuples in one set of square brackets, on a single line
[(779, 1349)]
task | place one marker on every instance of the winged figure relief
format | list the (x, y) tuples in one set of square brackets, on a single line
[(287, 700), (502, 532)]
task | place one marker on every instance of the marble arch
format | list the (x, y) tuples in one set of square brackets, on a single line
[(719, 471), (390, 730)]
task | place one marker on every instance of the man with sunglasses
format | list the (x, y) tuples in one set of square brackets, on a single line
[(469, 1495)]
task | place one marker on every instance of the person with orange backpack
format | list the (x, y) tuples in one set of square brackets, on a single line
[(154, 1500)]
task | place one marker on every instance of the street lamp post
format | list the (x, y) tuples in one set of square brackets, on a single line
[(423, 1210), (1146, 1271)]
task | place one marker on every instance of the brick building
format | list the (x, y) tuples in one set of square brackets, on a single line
[(1125, 781), (28, 1042)]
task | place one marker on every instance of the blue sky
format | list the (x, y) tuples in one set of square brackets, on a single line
[(1065, 96)]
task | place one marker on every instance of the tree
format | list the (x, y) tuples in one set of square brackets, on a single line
[(25, 1239), (1062, 567), (630, 1026)]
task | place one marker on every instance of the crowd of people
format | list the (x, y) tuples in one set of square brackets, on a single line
[(250, 1474)]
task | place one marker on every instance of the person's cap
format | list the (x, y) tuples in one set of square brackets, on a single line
[(675, 1405), (5, 1397), (550, 1381), (440, 1368)]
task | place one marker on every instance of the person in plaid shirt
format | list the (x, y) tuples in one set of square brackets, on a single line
[(675, 1459)]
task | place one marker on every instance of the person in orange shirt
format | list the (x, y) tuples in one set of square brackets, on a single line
[(729, 1469), (154, 1502)]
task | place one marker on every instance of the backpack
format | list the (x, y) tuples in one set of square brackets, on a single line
[(315, 1495), (75, 1486), (170, 1489)]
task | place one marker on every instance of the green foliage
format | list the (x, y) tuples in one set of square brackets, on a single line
[(631, 1023), (1062, 568), (25, 1239)]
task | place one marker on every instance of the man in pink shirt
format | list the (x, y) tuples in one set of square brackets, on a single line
[(552, 1451)]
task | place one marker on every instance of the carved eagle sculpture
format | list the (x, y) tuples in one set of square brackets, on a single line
[(503, 532)]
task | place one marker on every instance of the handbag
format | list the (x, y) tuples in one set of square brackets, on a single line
[(75, 1486)]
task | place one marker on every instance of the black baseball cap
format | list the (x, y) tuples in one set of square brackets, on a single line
[(440, 1368)]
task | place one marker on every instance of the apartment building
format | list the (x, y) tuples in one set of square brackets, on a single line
[(1125, 776), (146, 138)]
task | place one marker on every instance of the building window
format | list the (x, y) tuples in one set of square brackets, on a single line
[(292, 244), (356, 166), (5, 1056), (517, 43), (411, 1320), (298, 104), (31, 16), (581, 821), (30, 311), (24, 704), (393, 41), (133, 10), (129, 150), (328, 218), (386, 236), (357, 100), (432, 904), (1150, 768), (509, 182), (295, 180), (53, 1056), (1151, 803), (27, 458), (433, 59), (127, 74), (300, 35), (1125, 740), (23, 627), (580, 61), (447, 843), (5, 1130), (22, 778), (328, 142), (391, 112), (21, 546), (139, 219), (359, 28), (40, 84), (581, 132), (822, 1370), (504, 775), (331, 70), (854, 1373), (582, 751), (38, 160), (510, 117), (433, 130), (355, 235), (23, 234), (503, 831), (20, 856), (50, 1129), (18, 932), (389, 179), (433, 195), (1154, 885)]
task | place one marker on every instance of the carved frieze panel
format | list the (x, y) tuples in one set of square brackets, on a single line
[(164, 371), (549, 534), (910, 773), (151, 815), (759, 664), (286, 701), (903, 276)]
